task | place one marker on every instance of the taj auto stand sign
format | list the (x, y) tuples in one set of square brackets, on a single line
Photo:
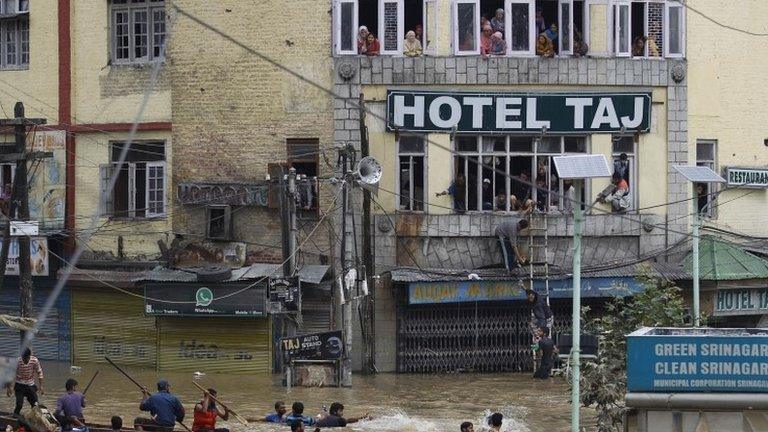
[(315, 346)]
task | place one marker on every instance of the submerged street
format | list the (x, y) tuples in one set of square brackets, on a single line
[(423, 403)]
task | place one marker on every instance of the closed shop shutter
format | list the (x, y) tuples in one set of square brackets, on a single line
[(239, 345), (110, 323), (52, 342)]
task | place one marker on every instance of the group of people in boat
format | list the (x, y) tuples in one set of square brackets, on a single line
[(164, 407)]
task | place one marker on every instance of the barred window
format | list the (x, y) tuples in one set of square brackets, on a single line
[(137, 29)]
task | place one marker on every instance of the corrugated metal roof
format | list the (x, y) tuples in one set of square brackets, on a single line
[(411, 274), (309, 274), (721, 260)]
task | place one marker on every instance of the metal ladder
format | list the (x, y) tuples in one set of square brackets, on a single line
[(533, 247)]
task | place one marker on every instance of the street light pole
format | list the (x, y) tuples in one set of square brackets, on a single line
[(695, 263), (576, 324)]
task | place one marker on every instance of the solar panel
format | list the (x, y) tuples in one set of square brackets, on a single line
[(582, 166), (698, 174)]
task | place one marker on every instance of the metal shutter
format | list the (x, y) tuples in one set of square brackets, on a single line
[(113, 324), (52, 342), (238, 345)]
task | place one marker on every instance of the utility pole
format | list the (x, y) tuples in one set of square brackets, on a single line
[(21, 193), (368, 324), (346, 308), (291, 204), (695, 260), (578, 217)]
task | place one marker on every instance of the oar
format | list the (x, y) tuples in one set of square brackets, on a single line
[(143, 389), (237, 416), (89, 383)]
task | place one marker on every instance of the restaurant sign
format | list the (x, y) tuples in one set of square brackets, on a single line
[(752, 301), (471, 291), (747, 177), (697, 360), (190, 299), (563, 113)]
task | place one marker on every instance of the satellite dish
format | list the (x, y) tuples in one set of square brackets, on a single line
[(369, 171)]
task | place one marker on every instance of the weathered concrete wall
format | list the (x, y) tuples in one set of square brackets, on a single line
[(233, 111)]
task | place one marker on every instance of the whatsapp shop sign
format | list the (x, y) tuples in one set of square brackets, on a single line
[(434, 111), (194, 299)]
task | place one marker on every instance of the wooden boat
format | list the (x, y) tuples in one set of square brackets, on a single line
[(7, 419)]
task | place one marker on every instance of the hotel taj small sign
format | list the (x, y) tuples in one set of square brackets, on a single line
[(747, 177), (497, 112)]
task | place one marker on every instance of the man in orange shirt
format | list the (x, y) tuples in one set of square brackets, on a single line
[(206, 413)]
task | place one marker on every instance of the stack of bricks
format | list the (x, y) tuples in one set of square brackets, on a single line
[(656, 25)]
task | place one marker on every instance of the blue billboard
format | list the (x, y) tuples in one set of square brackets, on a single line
[(480, 290), (697, 360)]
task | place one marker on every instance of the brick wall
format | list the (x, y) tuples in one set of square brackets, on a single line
[(233, 111), (656, 24)]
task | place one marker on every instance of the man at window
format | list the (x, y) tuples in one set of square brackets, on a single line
[(456, 190), (621, 166), (487, 195), (521, 193), (616, 194)]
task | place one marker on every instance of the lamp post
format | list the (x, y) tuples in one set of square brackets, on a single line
[(578, 168), (697, 174)]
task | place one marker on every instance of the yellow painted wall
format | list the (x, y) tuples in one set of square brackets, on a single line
[(727, 100), (139, 236), (103, 93), (651, 149), (37, 87)]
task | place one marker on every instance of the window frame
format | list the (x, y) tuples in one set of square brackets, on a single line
[(667, 30), (20, 25), (534, 154), (531, 51), (227, 221), (400, 27), (455, 27), (571, 23), (337, 26), (713, 188), (163, 190), (410, 155), (131, 7), (617, 7), (106, 170)]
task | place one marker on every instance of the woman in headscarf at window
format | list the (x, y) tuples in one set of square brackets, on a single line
[(497, 22), (372, 46), (362, 36), (485, 40), (411, 46), (498, 45), (544, 46)]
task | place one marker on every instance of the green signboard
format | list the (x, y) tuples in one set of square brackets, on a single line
[(562, 113)]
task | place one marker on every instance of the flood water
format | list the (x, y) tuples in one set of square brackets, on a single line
[(397, 402)]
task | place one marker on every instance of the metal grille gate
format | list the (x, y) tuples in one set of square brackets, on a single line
[(479, 337)]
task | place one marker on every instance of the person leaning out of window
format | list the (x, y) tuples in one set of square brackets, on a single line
[(544, 46), (411, 45)]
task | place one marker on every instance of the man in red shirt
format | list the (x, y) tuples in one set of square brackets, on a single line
[(206, 413), (24, 385)]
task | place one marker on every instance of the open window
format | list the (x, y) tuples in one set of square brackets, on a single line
[(466, 27), (141, 186), (412, 159), (675, 29), (304, 156), (625, 163), (345, 13), (622, 16), (218, 224), (706, 155)]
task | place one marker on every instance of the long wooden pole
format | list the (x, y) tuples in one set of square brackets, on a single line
[(89, 383), (237, 416), (143, 389)]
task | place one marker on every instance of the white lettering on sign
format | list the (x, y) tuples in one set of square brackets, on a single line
[(578, 105), (734, 350), (455, 112), (675, 368), (417, 110), (503, 111), (477, 104), (605, 113), (675, 349), (530, 119), (633, 123)]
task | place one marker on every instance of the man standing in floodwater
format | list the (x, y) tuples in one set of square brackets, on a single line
[(494, 421), (547, 350), (467, 427)]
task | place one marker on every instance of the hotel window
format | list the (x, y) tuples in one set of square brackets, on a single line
[(625, 163), (137, 30), (141, 181), (411, 178), (648, 28), (14, 34), (501, 171), (388, 21), (706, 155)]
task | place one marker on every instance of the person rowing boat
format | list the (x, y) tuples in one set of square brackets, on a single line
[(206, 413), (69, 407), (165, 408)]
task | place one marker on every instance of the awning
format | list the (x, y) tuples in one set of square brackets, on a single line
[(720, 260), (313, 274)]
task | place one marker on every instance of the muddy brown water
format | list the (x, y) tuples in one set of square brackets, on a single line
[(421, 403)]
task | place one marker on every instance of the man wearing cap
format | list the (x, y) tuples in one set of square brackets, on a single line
[(487, 194), (164, 407)]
